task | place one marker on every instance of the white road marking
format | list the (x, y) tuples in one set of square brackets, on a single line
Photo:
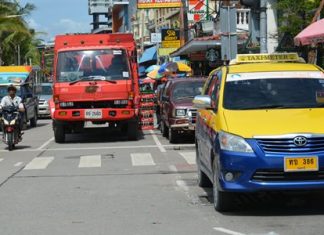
[(182, 185), (142, 159), (39, 163), (173, 168), (157, 142), (45, 144), (1, 159), (190, 157), (90, 161), (18, 164), (227, 231)]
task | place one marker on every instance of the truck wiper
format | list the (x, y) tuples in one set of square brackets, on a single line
[(93, 78), (79, 80)]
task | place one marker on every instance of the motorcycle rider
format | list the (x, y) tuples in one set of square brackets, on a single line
[(13, 100)]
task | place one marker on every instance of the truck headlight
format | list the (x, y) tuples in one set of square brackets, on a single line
[(66, 104), (180, 112), (233, 143), (120, 102)]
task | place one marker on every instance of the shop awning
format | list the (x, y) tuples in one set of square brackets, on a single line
[(148, 55), (203, 44)]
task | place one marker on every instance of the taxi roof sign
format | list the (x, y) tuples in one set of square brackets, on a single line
[(264, 58)]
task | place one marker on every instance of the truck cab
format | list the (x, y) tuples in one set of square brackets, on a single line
[(95, 84)]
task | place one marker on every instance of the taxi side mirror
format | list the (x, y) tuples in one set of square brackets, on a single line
[(202, 102)]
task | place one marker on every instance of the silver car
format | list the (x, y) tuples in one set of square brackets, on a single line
[(43, 101)]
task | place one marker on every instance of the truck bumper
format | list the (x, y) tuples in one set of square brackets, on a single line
[(77, 115)]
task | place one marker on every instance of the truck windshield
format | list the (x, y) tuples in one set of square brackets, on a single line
[(92, 65), (274, 93), (184, 90)]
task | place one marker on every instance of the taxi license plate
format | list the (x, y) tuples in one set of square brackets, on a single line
[(301, 164), (93, 113)]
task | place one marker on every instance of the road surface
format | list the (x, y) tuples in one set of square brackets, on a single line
[(100, 183)]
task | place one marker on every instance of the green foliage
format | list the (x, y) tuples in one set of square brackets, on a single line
[(295, 15), (15, 34)]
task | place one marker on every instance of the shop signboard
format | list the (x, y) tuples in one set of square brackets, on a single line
[(151, 4), (197, 10), (166, 51), (156, 37), (170, 38)]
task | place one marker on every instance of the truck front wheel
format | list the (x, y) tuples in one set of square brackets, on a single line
[(59, 134), (132, 131)]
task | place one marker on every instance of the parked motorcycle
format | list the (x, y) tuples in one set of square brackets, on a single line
[(9, 120)]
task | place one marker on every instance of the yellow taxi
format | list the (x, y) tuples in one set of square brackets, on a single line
[(260, 127)]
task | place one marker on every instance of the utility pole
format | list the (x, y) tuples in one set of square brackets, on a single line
[(184, 22), (156, 31), (263, 27), (142, 30)]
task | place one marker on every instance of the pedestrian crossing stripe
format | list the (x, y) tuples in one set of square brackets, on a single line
[(90, 161), (39, 163), (95, 161), (142, 159)]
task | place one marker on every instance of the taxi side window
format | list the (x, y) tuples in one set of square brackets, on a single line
[(214, 89), (209, 83)]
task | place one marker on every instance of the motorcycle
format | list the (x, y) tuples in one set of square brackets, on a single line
[(9, 119)]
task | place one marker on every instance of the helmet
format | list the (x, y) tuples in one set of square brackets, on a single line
[(11, 88)]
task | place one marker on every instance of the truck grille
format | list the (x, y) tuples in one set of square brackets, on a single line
[(95, 105), (41, 102), (314, 144), (266, 175), (193, 116)]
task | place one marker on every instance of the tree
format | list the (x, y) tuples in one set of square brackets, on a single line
[(15, 35), (294, 15)]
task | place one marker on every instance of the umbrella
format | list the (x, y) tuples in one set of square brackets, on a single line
[(151, 68), (147, 80), (155, 74), (174, 67), (313, 34)]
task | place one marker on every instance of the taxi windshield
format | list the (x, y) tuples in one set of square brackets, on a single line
[(92, 65), (274, 93), (184, 90)]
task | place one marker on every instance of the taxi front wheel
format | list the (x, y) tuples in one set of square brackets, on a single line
[(223, 201)]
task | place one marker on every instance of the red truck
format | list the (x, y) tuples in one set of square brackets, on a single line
[(95, 84)]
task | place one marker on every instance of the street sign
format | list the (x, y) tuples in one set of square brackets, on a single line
[(156, 37), (228, 32), (150, 4), (170, 38)]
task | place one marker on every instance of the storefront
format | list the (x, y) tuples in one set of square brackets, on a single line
[(204, 53)]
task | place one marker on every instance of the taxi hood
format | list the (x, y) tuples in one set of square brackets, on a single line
[(250, 123)]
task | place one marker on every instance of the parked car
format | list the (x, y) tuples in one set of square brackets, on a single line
[(45, 95), (177, 114)]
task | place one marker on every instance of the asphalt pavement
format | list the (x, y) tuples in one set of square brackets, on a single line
[(100, 183)]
